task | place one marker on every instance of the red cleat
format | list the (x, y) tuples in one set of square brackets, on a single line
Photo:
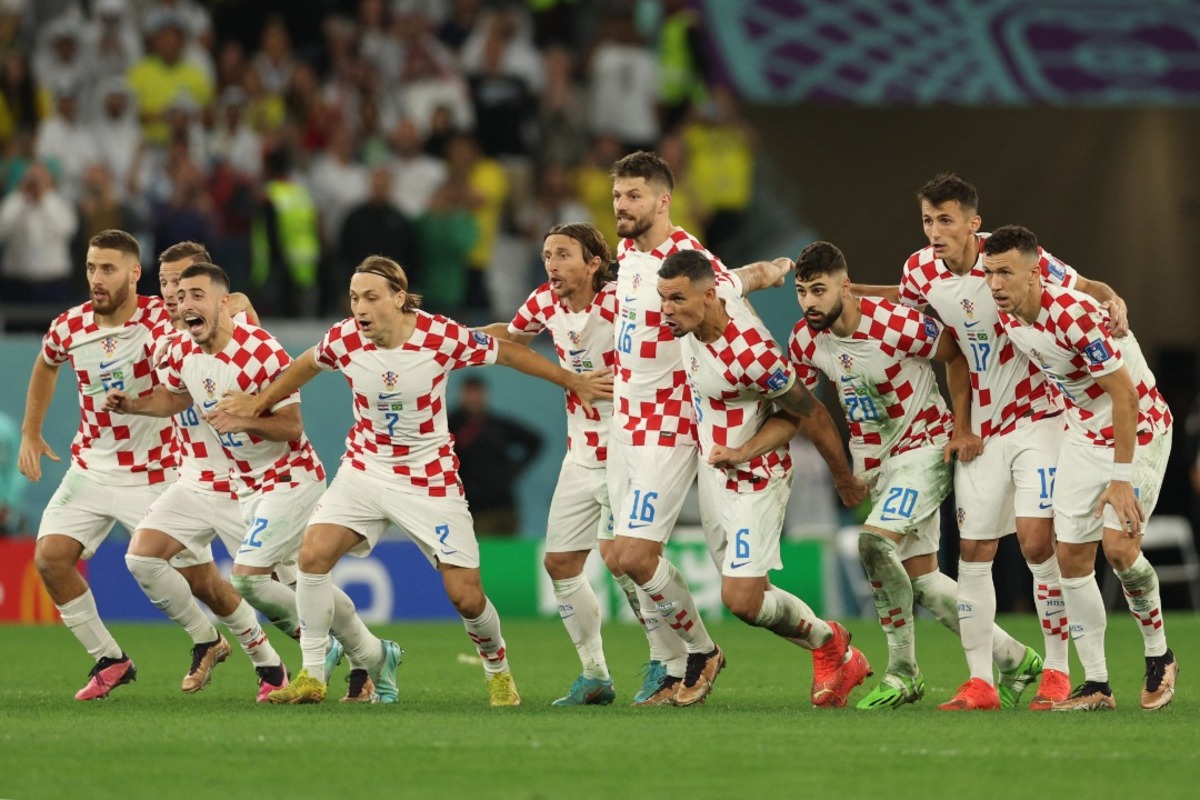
[(1055, 688), (974, 695), (108, 674)]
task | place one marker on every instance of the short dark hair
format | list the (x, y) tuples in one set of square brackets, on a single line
[(819, 258), (394, 274), (647, 165), (593, 244), (122, 241), (210, 271), (177, 252), (946, 187), (690, 264), (1011, 237)]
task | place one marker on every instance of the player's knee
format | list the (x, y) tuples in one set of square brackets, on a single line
[(145, 569), (741, 603), (51, 561), (873, 548)]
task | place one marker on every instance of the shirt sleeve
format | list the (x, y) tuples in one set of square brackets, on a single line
[(1082, 325), (800, 353), (1056, 271), (531, 317)]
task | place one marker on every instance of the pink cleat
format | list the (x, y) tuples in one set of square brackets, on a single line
[(108, 674), (269, 680)]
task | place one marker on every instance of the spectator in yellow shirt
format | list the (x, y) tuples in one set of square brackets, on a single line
[(162, 75)]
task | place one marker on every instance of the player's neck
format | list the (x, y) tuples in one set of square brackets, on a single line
[(220, 337), (579, 301), (966, 259), (405, 325), (655, 235), (847, 321), (713, 326), (120, 315), (1031, 307)]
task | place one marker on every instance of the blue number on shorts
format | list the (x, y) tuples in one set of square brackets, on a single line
[(642, 510), (392, 418), (741, 547), (625, 337), (1046, 475), (442, 532), (189, 418), (257, 526), (980, 351), (900, 502)]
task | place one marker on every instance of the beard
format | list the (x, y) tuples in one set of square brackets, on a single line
[(633, 228), (825, 321), (115, 300)]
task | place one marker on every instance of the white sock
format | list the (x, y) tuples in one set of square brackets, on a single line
[(484, 631), (893, 593), (1140, 583), (1085, 607), (243, 624), (1052, 611), (580, 613), (363, 648), (788, 616), (286, 574), (976, 616), (938, 592), (314, 602), (276, 601), (81, 617), (671, 594), (665, 647), (168, 591)]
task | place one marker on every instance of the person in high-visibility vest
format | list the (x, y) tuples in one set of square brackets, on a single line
[(285, 243)]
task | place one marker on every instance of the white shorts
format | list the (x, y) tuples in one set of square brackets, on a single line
[(906, 497), (193, 515), (85, 509), (647, 485), (274, 524), (579, 511), (1013, 477), (750, 524), (1084, 471), (441, 526)]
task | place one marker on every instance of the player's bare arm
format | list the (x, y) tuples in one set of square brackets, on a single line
[(1112, 303), (499, 330), (302, 370), (963, 444), (890, 292), (776, 431), (764, 274), (818, 427), (282, 425), (588, 386), (37, 403), (1119, 493), (162, 402), (239, 303)]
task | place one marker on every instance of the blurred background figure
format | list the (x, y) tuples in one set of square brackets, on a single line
[(36, 226), (492, 452)]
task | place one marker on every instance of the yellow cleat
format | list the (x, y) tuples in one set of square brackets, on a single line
[(502, 690), (303, 689)]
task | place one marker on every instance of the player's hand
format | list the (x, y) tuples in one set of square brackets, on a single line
[(786, 265), (29, 458), (1121, 497), (1118, 317), (118, 402), (966, 447), (592, 386), (238, 404), (223, 422), (726, 457), (852, 490)]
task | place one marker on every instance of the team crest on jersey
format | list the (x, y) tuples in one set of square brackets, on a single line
[(968, 307), (574, 337), (109, 345), (847, 361), (210, 387), (390, 379), (637, 281)]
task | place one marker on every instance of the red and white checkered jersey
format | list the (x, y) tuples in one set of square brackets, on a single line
[(1070, 342), (122, 450), (650, 389), (202, 461), (1005, 386), (732, 382), (883, 379), (400, 431), (584, 342), (248, 363)]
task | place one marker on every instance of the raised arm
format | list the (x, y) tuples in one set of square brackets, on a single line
[(239, 303), (161, 402), (1119, 493), (1118, 314), (818, 427), (589, 386), (37, 403), (281, 425), (776, 431), (963, 442), (499, 330), (302, 370), (891, 292), (764, 274)]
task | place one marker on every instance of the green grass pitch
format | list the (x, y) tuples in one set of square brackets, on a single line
[(756, 736)]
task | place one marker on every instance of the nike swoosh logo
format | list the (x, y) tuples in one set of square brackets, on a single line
[(892, 519), (1044, 506), (209, 404), (736, 564), (972, 324), (389, 395), (636, 525), (446, 552), (845, 378), (1049, 614), (629, 300), (576, 352), (107, 364)]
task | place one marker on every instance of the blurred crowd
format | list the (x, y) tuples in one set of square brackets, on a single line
[(295, 138)]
